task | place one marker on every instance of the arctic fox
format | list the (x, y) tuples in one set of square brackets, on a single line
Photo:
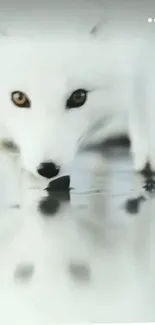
[(53, 92)]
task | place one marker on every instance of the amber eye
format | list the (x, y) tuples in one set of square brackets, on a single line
[(77, 99), (20, 99)]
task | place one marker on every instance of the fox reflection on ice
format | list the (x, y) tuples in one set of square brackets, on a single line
[(84, 255)]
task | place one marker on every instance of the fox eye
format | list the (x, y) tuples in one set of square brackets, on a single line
[(77, 99), (20, 99)]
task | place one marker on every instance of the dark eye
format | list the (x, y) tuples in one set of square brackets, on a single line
[(77, 99), (20, 99)]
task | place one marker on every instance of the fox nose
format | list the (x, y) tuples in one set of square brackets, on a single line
[(48, 169)]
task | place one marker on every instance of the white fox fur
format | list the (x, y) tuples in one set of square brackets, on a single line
[(118, 71)]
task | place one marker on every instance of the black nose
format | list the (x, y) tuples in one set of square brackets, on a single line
[(48, 170)]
